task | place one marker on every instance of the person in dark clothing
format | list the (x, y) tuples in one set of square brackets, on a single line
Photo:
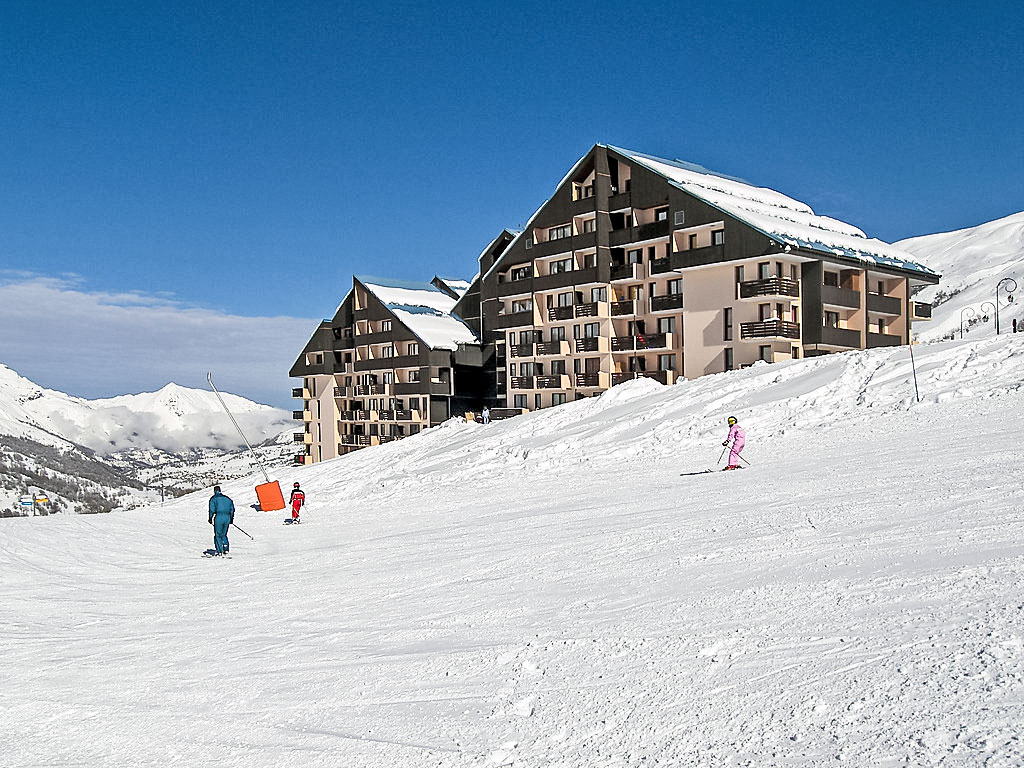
[(222, 515)]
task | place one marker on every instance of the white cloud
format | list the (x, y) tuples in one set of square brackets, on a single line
[(97, 344)]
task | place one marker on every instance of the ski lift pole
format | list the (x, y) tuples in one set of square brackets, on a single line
[(209, 378), (913, 367)]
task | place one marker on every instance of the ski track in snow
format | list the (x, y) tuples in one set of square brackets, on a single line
[(548, 591)]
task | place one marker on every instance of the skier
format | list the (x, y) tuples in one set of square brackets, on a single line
[(738, 438), (486, 415), (222, 514), (297, 499)]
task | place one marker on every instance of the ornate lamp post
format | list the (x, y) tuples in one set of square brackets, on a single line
[(969, 313), (1009, 296)]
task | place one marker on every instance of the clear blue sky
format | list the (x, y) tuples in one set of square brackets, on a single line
[(249, 157)]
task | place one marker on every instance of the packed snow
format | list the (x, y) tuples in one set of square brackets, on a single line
[(558, 589), (973, 262)]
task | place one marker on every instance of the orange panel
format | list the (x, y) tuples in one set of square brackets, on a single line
[(270, 496)]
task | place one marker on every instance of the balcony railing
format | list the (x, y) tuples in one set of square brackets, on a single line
[(766, 329), (922, 310), (592, 309), (644, 341), (558, 381), (298, 392), (883, 340), (522, 382), (770, 286), (627, 272), (520, 350), (659, 266), (589, 344), (560, 313), (299, 415), (597, 380), (884, 305), (299, 458), (623, 308), (665, 303), (545, 348), (356, 439), (840, 337), (298, 437), (840, 297), (363, 390), (343, 391), (387, 438), (405, 415)]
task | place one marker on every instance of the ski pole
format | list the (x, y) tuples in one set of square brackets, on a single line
[(722, 454), (741, 456), (235, 526)]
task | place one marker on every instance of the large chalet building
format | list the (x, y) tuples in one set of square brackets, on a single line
[(636, 266)]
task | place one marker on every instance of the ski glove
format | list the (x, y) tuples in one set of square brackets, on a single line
[(725, 442)]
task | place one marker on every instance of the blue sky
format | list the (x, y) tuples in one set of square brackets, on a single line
[(248, 158)]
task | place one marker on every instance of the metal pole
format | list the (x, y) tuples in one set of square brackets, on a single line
[(971, 313), (1009, 292), (209, 378), (913, 367)]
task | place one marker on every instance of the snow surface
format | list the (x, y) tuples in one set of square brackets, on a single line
[(780, 217), (423, 309), (172, 419), (550, 591), (972, 261)]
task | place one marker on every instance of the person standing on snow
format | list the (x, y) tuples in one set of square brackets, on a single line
[(222, 514), (738, 438), (297, 499), (486, 415)]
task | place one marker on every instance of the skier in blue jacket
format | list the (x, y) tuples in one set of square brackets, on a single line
[(222, 514)]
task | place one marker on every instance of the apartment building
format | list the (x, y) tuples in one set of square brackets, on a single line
[(390, 362), (642, 266), (637, 266)]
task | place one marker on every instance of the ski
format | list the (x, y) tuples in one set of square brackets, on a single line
[(215, 553), (290, 521), (699, 472)]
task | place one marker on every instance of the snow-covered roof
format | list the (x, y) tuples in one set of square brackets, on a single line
[(422, 308), (781, 218), (458, 285)]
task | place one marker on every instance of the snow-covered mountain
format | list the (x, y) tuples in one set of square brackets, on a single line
[(558, 590), (972, 261), (98, 454)]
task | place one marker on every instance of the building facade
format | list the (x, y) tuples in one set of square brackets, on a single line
[(637, 266)]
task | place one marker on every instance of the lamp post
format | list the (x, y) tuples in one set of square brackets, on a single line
[(1009, 296), (969, 312)]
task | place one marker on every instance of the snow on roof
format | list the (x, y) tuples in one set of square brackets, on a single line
[(778, 216), (422, 308), (458, 285)]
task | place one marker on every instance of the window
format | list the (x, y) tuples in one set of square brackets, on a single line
[(727, 354), (830, 278), (512, 339), (557, 367), (526, 337), (537, 401), (388, 377), (558, 333), (635, 256), (560, 266), (591, 330), (666, 362), (527, 369), (675, 287), (414, 348), (414, 429), (764, 352), (795, 353), (519, 401), (666, 325), (558, 233), (661, 214), (635, 292), (512, 369), (637, 364), (831, 319), (589, 260), (794, 272), (529, 243), (385, 326), (679, 218), (388, 351), (558, 398), (519, 273), (727, 326), (693, 242), (414, 376), (881, 325), (598, 294), (652, 253), (718, 237), (764, 270), (764, 312), (589, 225), (522, 305)]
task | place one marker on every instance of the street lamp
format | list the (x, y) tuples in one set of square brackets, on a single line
[(1009, 296), (969, 311)]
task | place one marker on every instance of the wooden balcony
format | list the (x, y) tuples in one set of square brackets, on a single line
[(922, 310), (300, 392), (884, 305), (549, 348), (560, 313), (840, 337), (301, 415), (299, 437), (592, 344), (592, 309), (599, 380), (769, 287), (360, 440), (522, 382), (883, 340), (673, 301), (623, 308), (641, 341), (627, 272), (364, 390), (558, 381), (840, 297), (770, 329), (520, 350)]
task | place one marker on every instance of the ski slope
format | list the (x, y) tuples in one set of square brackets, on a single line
[(552, 591)]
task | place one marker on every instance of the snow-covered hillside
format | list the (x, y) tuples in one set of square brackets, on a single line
[(972, 261), (558, 590)]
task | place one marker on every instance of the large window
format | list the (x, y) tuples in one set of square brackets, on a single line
[(565, 299), (522, 305), (765, 353), (591, 330), (414, 348), (557, 367), (718, 237), (589, 225), (831, 319), (599, 294), (830, 278), (666, 325), (635, 256), (558, 398), (675, 287), (557, 233), (558, 333), (519, 401), (385, 326), (563, 265), (666, 362), (519, 273)]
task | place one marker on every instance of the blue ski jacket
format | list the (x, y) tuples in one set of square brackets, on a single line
[(221, 505)]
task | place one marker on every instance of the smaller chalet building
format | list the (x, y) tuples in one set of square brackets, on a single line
[(636, 266), (392, 361)]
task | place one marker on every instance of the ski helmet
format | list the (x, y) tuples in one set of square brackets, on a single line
[(296, 485), (732, 420)]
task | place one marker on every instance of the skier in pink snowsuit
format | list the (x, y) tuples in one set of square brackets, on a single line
[(738, 438)]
